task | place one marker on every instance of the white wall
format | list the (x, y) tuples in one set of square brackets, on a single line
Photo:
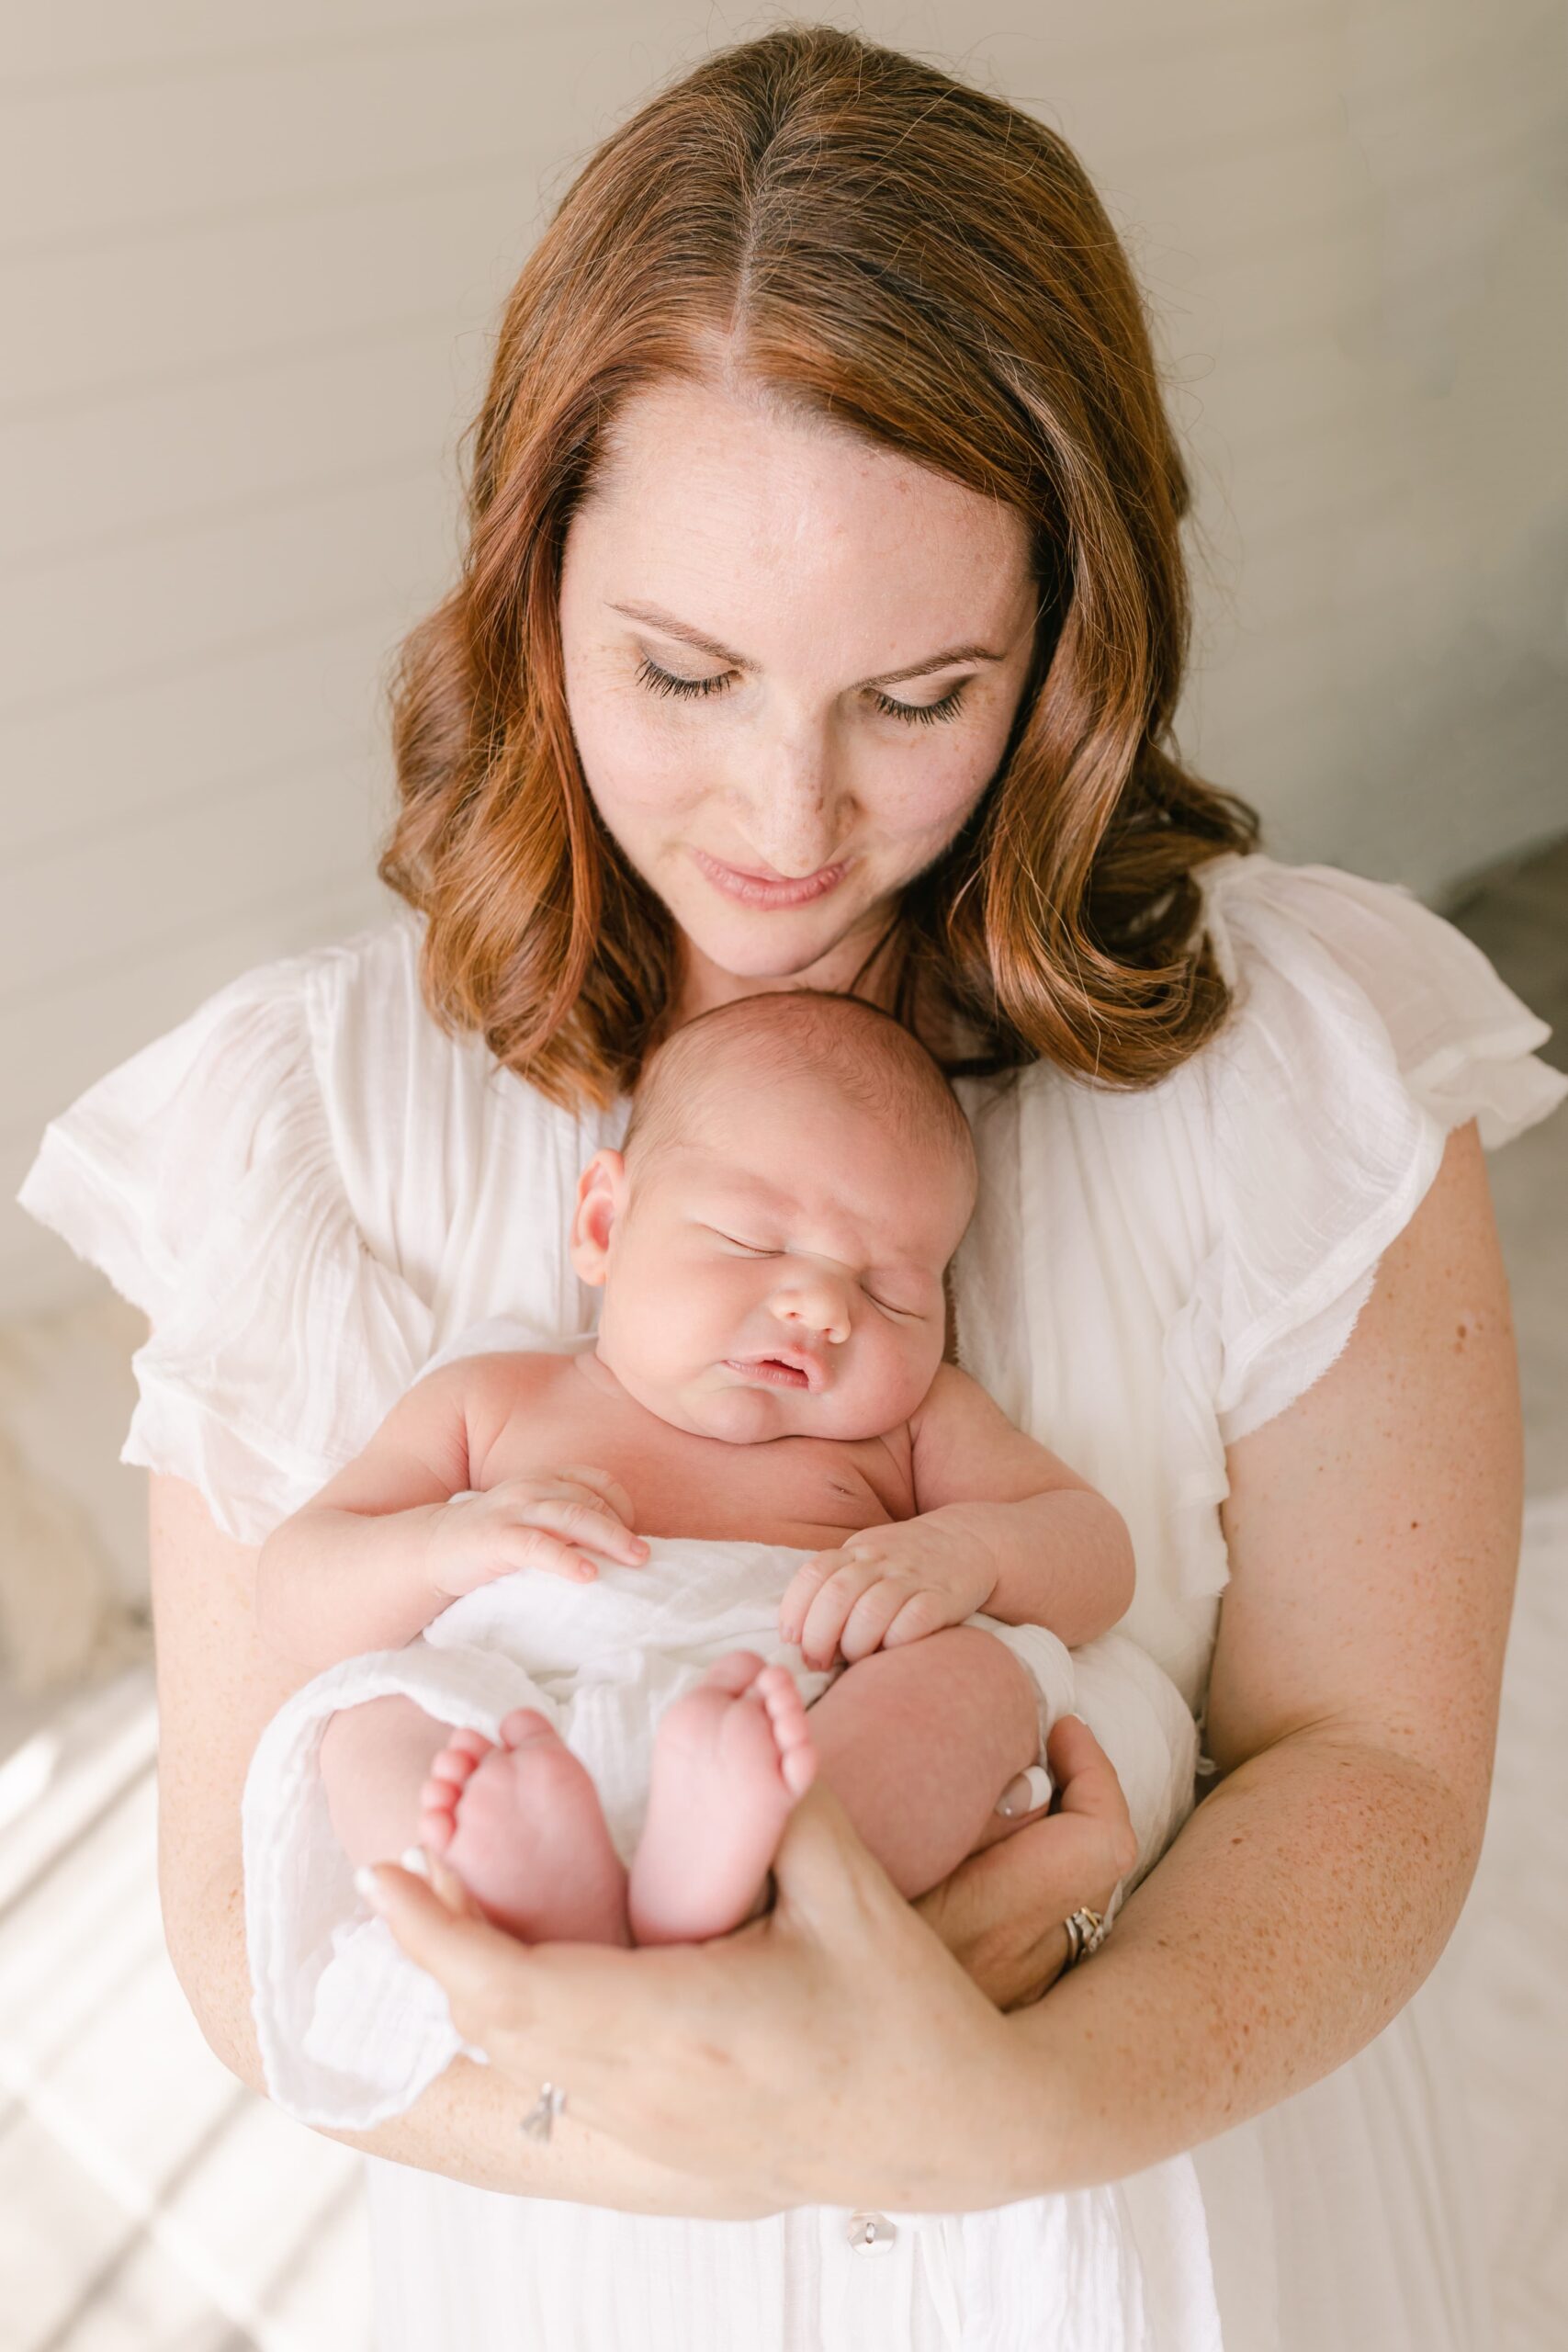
[(248, 260)]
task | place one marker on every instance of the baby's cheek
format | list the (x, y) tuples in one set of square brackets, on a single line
[(913, 1363)]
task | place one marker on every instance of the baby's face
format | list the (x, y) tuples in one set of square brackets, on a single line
[(780, 1273)]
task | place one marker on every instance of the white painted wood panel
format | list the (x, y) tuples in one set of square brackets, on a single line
[(250, 261)]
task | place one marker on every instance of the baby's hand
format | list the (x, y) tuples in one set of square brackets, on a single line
[(476, 1538), (884, 1587)]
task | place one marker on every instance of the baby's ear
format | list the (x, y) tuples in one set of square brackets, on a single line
[(601, 1188)]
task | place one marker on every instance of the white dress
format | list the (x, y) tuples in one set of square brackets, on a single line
[(311, 1191)]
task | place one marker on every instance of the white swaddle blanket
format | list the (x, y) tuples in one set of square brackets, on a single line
[(350, 2029)]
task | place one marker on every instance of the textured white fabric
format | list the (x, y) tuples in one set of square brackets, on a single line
[(311, 1189), (350, 2030)]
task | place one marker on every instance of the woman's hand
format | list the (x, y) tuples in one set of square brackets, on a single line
[(832, 2052), (1002, 1913)]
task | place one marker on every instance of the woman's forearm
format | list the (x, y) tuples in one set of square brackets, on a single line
[(1303, 1902), (465, 2125)]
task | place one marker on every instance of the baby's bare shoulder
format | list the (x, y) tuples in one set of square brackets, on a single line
[(500, 1392), (953, 1401)]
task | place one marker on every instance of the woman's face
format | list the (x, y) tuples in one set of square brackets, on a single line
[(865, 630)]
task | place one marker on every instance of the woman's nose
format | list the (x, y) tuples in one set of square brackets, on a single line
[(795, 821)]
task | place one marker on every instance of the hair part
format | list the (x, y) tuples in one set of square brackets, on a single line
[(921, 263)]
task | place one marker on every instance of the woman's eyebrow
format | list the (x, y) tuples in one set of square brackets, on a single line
[(656, 618)]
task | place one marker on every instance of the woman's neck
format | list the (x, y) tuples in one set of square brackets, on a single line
[(861, 964), (706, 985)]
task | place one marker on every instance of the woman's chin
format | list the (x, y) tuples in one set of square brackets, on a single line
[(785, 944)]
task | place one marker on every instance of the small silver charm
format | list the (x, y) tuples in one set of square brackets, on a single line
[(541, 2116)]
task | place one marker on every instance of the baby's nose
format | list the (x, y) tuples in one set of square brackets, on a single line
[(819, 1304)]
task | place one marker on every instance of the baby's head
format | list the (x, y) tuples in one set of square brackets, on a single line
[(772, 1235)]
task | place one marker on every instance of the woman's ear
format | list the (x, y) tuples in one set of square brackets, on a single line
[(601, 1192)]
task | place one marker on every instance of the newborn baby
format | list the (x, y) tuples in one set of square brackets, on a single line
[(768, 1369)]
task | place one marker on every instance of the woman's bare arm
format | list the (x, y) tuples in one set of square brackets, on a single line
[(1373, 1530), (217, 1685)]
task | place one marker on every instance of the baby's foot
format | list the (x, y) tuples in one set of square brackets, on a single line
[(522, 1826), (729, 1761)]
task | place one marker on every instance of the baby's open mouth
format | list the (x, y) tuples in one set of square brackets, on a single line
[(770, 1369)]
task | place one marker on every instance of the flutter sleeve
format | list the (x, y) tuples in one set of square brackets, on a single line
[(1366, 1028), (204, 1177)]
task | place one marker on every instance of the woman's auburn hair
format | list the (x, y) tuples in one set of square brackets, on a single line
[(924, 264)]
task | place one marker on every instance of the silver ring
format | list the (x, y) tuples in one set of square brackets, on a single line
[(539, 2121), (1086, 1930)]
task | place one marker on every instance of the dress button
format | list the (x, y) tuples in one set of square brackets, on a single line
[(871, 2233)]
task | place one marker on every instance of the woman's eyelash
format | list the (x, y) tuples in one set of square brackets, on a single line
[(923, 714), (913, 714), (660, 681)]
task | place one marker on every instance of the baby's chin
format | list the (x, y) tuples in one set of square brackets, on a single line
[(745, 1412)]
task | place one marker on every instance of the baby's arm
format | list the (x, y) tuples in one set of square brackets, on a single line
[(1061, 1554), (382, 1550), (1002, 1525)]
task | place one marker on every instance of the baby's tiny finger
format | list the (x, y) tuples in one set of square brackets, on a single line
[(604, 1485), (801, 1591), (866, 1625), (590, 1522), (923, 1614), (556, 1558), (825, 1619)]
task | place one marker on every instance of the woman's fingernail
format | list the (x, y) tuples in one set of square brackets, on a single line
[(1030, 1791), (368, 1885), (415, 1858)]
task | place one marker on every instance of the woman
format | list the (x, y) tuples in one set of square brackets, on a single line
[(821, 622)]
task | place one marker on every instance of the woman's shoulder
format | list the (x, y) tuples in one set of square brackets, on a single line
[(1339, 986), (296, 1185), (1269, 1172), (346, 1025), (1334, 978)]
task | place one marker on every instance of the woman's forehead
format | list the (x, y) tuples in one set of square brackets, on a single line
[(721, 510)]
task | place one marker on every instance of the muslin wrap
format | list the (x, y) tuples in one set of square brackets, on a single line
[(350, 2029)]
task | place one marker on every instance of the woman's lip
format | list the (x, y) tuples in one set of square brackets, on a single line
[(757, 890)]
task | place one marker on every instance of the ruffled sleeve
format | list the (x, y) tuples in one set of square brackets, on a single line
[(1364, 1029), (203, 1178)]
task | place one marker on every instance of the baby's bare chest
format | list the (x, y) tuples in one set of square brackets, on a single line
[(805, 1491)]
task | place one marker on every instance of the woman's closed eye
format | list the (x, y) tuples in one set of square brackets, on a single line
[(913, 714)]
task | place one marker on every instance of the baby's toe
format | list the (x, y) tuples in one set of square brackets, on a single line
[(454, 1765), (736, 1671), (469, 1743), (437, 1824), (523, 1724), (797, 1769), (780, 1693)]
